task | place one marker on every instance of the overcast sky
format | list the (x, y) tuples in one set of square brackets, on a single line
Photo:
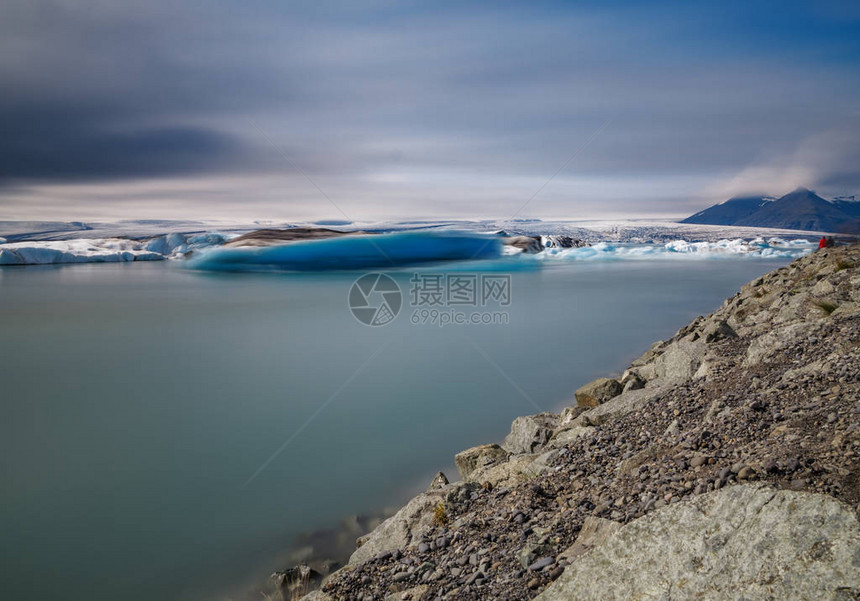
[(249, 109)]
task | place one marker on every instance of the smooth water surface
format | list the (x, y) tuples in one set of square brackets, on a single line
[(141, 403)]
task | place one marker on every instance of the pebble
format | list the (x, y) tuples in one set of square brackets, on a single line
[(556, 572), (541, 564)]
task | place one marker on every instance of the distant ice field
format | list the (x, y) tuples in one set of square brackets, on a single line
[(27, 243)]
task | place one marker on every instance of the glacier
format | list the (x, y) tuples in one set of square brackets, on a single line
[(36, 243)]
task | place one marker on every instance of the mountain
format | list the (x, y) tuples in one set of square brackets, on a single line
[(801, 209), (726, 213)]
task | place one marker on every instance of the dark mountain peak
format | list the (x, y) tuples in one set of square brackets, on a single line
[(729, 211), (801, 209)]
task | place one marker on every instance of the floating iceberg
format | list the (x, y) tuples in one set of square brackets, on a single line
[(75, 251), (682, 249), (385, 251), (104, 250)]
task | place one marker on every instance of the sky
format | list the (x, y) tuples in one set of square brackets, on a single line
[(274, 110)]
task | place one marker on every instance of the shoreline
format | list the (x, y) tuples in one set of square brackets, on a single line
[(541, 448)]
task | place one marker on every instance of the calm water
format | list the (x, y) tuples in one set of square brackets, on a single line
[(138, 400)]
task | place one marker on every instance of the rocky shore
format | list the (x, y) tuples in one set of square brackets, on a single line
[(722, 464)]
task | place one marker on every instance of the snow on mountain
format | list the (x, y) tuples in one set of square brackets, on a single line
[(801, 209)]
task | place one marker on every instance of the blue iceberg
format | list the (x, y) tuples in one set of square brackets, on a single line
[(353, 252)]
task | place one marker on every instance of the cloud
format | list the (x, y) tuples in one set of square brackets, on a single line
[(466, 107), (826, 161)]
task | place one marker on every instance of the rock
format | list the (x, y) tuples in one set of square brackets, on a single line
[(718, 330), (569, 414), (594, 531), (439, 481), (272, 237), (527, 244), (316, 596), (537, 544), (680, 360), (415, 593), (296, 580), (745, 473), (410, 523), (623, 404), (558, 241), (769, 544), (508, 473), (530, 433), (567, 435), (673, 429), (541, 564), (479, 457), (634, 382), (598, 391), (698, 461), (765, 346)]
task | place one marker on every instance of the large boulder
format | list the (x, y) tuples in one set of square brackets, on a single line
[(765, 346), (530, 433), (750, 542), (482, 456), (680, 360), (623, 404), (568, 434), (594, 531), (414, 520), (717, 331), (598, 391), (511, 472)]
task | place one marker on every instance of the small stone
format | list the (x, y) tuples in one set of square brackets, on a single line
[(423, 548), (541, 564), (533, 583), (401, 576), (556, 572), (698, 461), (745, 473)]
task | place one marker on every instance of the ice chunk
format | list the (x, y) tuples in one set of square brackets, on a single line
[(353, 252)]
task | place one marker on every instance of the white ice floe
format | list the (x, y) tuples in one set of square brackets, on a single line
[(75, 251), (682, 249), (105, 250)]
